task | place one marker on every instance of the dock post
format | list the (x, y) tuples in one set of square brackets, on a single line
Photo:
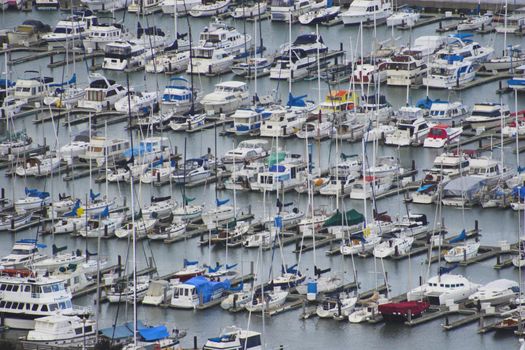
[(476, 226), (464, 255), (413, 170), (481, 321), (480, 143), (409, 316), (498, 260), (420, 280), (251, 268), (3, 193), (195, 342), (447, 323), (105, 230), (119, 265), (51, 58)]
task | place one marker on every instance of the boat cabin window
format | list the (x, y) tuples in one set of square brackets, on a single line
[(44, 308), (78, 331), (88, 329), (53, 307), (35, 307)]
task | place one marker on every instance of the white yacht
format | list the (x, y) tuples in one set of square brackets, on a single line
[(102, 94), (131, 54), (497, 292), (411, 129), (316, 130), (105, 5), (453, 72), (181, 7), (226, 98), (177, 97), (47, 5), (250, 11), (283, 177), (247, 151), (461, 44), (234, 338), (26, 297), (295, 67), (103, 34), (289, 10), (210, 9), (444, 288), (447, 112), (32, 87), (101, 149), (370, 185), (61, 331), (144, 7), (488, 115), (24, 253), (283, 122), (72, 30), (247, 121), (219, 44), (270, 300), (362, 11), (406, 69)]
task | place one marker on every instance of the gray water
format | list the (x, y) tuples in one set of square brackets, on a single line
[(285, 329)]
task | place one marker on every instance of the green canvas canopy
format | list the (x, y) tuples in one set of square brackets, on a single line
[(352, 217)]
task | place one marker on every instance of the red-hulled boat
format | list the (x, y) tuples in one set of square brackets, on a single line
[(399, 312)]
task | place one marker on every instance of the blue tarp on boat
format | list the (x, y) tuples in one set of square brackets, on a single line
[(207, 288), (121, 331), (154, 333)]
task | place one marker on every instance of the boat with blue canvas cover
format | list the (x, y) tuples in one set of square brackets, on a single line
[(157, 337), (196, 291), (177, 96), (518, 81)]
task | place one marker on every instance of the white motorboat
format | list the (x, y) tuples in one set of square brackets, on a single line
[(144, 7), (169, 61), (41, 295), (512, 23), (32, 87), (409, 131), (11, 106), (249, 11), (65, 96), (105, 5), (159, 292), (102, 94), (60, 260), (283, 176), (226, 98), (488, 115), (187, 122), (295, 67), (180, 7), (366, 73), (130, 54), (210, 9), (442, 135), (462, 252), (497, 292), (378, 132), (365, 11), (176, 229), (320, 15), (252, 66), (222, 213), (247, 151), (407, 68), (196, 291), (178, 96), (453, 72), (393, 247), (102, 149), (24, 253), (364, 313), (461, 45), (61, 331), (360, 244), (192, 170), (444, 288), (103, 34), (448, 112), (283, 122), (290, 10), (72, 30), (316, 130)]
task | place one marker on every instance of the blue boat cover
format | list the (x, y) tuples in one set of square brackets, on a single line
[(93, 195), (121, 331), (189, 262), (207, 288), (222, 202), (297, 101), (154, 333), (425, 187)]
